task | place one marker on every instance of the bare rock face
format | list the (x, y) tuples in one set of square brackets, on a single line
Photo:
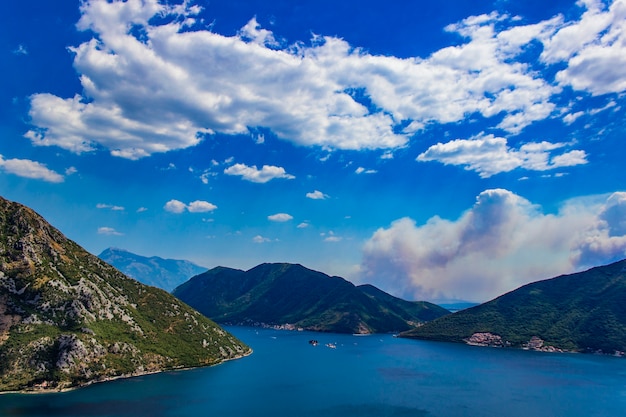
[(68, 319)]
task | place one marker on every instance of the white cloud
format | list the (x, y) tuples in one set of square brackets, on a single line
[(572, 117), (260, 139), (610, 105), (361, 170), (605, 238), (109, 207), (489, 155), (175, 206), (198, 206), (280, 217), (29, 169), (501, 243), (109, 231), (594, 48), (260, 239), (253, 174), (331, 237), (199, 82), (303, 225), (204, 177), (317, 195), (253, 32)]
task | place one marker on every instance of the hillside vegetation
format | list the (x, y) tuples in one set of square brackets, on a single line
[(281, 294), (67, 318), (585, 311)]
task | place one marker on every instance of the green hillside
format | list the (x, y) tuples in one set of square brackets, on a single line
[(67, 318), (278, 294), (585, 311)]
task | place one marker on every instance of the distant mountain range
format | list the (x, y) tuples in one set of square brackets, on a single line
[(585, 311), (281, 294), (158, 272), (68, 319)]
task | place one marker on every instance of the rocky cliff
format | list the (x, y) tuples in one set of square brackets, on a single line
[(68, 319)]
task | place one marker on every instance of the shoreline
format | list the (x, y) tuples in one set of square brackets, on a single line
[(44, 391)]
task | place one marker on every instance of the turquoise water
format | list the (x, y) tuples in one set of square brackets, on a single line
[(375, 375)]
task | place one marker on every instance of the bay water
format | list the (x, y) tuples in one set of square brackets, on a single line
[(346, 375)]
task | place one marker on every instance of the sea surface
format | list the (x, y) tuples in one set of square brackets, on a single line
[(376, 375)]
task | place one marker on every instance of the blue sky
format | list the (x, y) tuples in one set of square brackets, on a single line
[(438, 150)]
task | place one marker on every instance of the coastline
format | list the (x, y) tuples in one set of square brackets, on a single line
[(44, 391)]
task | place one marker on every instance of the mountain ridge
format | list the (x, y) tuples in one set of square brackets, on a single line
[(159, 272), (281, 294), (584, 311)]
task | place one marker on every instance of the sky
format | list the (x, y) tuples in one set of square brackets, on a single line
[(446, 150)]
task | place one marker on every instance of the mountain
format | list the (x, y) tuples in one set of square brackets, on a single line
[(407, 310), (68, 319), (282, 294), (585, 311), (158, 272)]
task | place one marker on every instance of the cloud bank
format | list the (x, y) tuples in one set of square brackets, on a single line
[(501, 243), (327, 93)]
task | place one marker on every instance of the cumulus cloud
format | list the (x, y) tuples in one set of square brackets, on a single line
[(29, 169), (109, 231), (280, 217), (261, 239), (253, 174), (594, 48), (200, 206), (489, 155), (199, 82), (177, 207), (501, 243), (317, 195), (606, 237)]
